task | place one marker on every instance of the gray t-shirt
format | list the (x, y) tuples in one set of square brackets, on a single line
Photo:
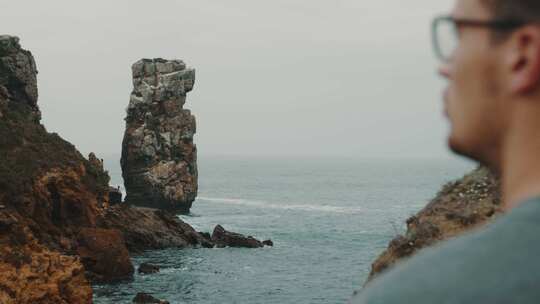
[(498, 264)]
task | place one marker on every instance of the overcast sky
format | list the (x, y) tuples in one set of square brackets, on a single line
[(280, 77)]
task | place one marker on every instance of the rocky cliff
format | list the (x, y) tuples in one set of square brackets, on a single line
[(54, 233), (47, 189), (459, 207), (58, 229), (159, 159)]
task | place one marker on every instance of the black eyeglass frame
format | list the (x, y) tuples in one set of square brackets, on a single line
[(497, 25)]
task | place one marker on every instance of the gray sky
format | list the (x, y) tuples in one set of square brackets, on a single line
[(280, 77)]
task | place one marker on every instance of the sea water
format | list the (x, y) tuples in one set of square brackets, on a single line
[(328, 218)]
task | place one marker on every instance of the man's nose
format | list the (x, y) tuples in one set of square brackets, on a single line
[(444, 70)]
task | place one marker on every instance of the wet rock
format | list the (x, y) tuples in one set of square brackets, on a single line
[(206, 240), (104, 254), (268, 243), (223, 238), (147, 268), (159, 158), (206, 235), (147, 229), (145, 298), (198, 239)]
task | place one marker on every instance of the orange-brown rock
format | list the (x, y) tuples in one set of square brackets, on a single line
[(48, 193), (30, 273), (104, 254), (65, 199), (460, 206)]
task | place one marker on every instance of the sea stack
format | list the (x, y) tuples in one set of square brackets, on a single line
[(159, 158)]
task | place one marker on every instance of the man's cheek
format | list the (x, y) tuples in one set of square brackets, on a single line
[(464, 80)]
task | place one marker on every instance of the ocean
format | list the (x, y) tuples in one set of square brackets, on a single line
[(328, 218)]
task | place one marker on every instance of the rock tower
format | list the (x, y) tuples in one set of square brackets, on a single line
[(159, 158)]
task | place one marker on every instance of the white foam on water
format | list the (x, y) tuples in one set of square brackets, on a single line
[(268, 205)]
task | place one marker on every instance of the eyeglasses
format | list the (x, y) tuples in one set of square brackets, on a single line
[(445, 32)]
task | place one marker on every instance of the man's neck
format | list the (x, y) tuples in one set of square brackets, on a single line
[(520, 161)]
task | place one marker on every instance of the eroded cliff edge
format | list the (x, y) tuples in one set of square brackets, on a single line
[(159, 158), (37, 209), (57, 230), (459, 207)]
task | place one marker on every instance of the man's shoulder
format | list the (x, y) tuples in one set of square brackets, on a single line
[(483, 266)]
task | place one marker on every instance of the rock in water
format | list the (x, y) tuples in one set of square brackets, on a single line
[(159, 158), (149, 229), (144, 298), (223, 238), (147, 268), (268, 243)]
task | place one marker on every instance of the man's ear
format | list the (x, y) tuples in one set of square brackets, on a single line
[(524, 59)]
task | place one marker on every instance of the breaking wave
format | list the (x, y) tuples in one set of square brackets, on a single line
[(297, 207)]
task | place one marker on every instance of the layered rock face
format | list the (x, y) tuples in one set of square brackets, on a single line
[(159, 158), (459, 207), (46, 187)]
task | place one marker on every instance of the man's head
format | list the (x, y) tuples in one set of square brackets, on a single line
[(492, 72)]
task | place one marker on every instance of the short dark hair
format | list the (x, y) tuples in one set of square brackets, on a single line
[(519, 10), (512, 10)]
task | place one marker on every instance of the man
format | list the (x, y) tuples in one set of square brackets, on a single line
[(493, 103)]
